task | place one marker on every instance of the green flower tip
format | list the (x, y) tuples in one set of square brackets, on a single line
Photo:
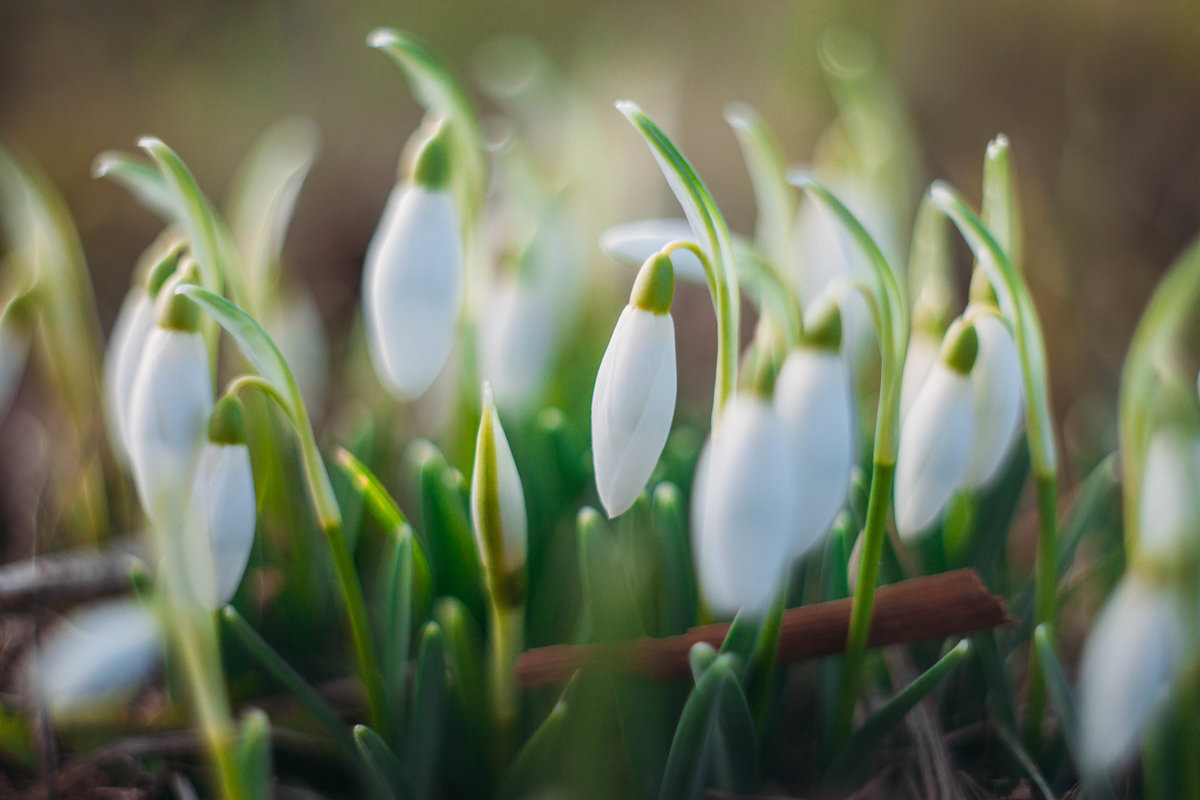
[(823, 329), (227, 425), (431, 169), (177, 312), (654, 288), (960, 346), (164, 268), (21, 310), (981, 290)]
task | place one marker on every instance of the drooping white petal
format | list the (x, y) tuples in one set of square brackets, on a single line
[(1169, 509), (96, 655), (812, 398), (1128, 664), (14, 348), (495, 482), (223, 502), (633, 404), (516, 342), (634, 242), (170, 405), (997, 386), (923, 349), (412, 288), (134, 323), (294, 323), (935, 441), (745, 506)]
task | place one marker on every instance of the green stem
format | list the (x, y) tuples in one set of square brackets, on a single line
[(360, 629), (507, 635), (854, 659), (1045, 584)]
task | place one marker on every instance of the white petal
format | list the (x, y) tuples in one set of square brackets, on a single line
[(633, 404), (1168, 511), (97, 653), (169, 411), (748, 508), (935, 441), (923, 352), (294, 323), (134, 323), (634, 242), (223, 499), (516, 342), (14, 348), (412, 288), (996, 381), (1130, 659), (812, 398)]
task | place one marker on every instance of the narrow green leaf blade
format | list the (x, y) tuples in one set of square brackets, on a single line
[(530, 767), (422, 743), (254, 754), (768, 177), (678, 607), (141, 180), (452, 547), (386, 776)]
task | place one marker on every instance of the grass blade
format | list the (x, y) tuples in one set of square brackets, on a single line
[(386, 777), (423, 741)]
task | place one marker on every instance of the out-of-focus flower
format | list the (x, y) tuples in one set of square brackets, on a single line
[(412, 286), (170, 405), (295, 325), (813, 399), (923, 349), (997, 387), (1169, 508), (935, 438), (135, 321), (1128, 665), (222, 501), (744, 507), (97, 655), (497, 500), (516, 341), (634, 398), (635, 242)]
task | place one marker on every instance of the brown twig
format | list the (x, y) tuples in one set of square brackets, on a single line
[(932, 607), (58, 580)]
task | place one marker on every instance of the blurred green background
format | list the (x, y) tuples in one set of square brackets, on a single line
[(1100, 99)]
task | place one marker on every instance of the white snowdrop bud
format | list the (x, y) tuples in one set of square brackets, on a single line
[(1128, 664), (97, 655), (516, 342), (223, 503), (135, 322), (633, 401), (638, 241), (170, 405), (497, 502), (413, 278), (997, 387), (744, 508), (14, 349), (813, 400), (935, 439), (1169, 509)]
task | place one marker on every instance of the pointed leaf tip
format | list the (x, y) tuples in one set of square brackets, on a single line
[(382, 37), (998, 146)]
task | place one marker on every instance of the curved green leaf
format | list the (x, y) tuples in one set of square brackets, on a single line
[(536, 757), (386, 776), (253, 754), (712, 234), (423, 741), (449, 538), (768, 177), (1000, 212), (264, 195), (678, 607), (140, 179)]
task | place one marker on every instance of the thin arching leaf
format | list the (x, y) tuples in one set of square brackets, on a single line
[(1000, 210), (422, 743), (142, 180), (768, 177)]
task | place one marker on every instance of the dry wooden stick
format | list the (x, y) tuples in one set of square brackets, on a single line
[(932, 607)]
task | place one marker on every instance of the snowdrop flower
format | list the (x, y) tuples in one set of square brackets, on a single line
[(14, 349), (222, 500), (516, 341), (744, 507), (170, 405), (1169, 511), (497, 502), (636, 242), (634, 398), (923, 349), (135, 321), (413, 281), (1128, 665), (813, 400), (996, 384), (97, 655), (935, 439)]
